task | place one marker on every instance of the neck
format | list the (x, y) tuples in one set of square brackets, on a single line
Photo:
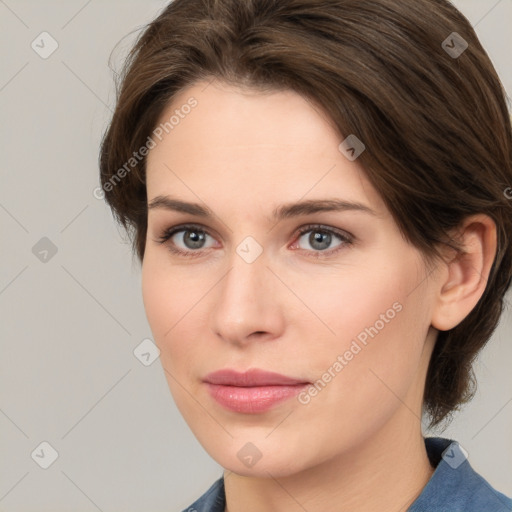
[(384, 473)]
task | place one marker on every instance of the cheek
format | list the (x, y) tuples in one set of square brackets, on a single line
[(167, 293), (174, 299), (157, 296), (378, 328), (350, 303), (163, 300)]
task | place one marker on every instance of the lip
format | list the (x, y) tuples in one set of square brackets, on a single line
[(251, 378), (253, 391)]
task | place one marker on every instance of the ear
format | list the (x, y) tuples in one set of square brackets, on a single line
[(463, 279)]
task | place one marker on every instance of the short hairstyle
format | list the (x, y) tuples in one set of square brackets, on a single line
[(397, 74)]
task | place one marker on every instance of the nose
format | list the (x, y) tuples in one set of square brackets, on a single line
[(247, 302)]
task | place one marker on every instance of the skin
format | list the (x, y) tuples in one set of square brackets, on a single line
[(356, 445)]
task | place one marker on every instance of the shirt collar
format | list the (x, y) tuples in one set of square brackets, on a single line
[(455, 486)]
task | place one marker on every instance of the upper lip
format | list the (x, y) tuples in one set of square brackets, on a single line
[(252, 377)]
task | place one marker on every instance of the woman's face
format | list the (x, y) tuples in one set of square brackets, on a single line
[(333, 297)]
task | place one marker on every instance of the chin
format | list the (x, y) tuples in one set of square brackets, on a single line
[(268, 469), (255, 460)]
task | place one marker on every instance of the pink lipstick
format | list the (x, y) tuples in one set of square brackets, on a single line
[(253, 391)]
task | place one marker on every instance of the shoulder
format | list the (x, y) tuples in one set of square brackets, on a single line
[(455, 486), (213, 500)]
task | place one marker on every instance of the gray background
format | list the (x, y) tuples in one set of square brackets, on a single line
[(69, 324)]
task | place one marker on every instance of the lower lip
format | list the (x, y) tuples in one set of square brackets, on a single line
[(252, 400)]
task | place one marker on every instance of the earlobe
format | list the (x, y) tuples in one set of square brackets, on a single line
[(464, 278)]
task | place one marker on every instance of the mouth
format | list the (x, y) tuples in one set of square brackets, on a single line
[(251, 392)]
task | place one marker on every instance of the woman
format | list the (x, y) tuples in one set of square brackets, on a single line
[(316, 191)]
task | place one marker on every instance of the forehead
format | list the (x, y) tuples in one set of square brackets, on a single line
[(230, 117), (261, 145)]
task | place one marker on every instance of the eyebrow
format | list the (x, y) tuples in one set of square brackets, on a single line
[(284, 211)]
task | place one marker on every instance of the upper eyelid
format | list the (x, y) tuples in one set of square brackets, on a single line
[(184, 227)]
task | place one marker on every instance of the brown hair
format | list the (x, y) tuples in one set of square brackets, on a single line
[(435, 125)]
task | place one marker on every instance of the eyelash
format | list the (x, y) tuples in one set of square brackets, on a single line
[(345, 238)]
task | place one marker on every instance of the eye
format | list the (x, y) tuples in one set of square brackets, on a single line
[(320, 239), (187, 240)]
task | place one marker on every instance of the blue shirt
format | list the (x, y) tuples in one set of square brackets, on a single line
[(454, 487)]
